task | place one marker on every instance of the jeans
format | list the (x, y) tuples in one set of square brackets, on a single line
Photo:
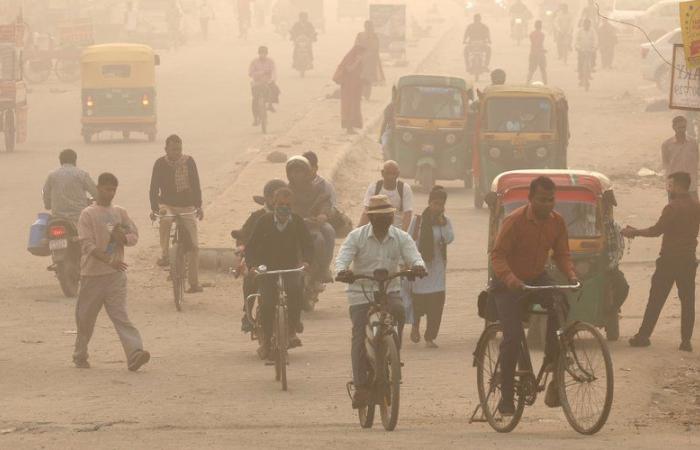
[(358, 352), (680, 271), (538, 60), (294, 287), (511, 307)]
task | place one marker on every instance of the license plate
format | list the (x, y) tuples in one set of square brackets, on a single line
[(58, 244), (428, 148)]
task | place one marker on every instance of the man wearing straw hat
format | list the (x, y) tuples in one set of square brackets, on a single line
[(377, 245)]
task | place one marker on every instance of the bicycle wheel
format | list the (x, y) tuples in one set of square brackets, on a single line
[(584, 378), (488, 380), (366, 414), (262, 111), (177, 275), (390, 386), (281, 340)]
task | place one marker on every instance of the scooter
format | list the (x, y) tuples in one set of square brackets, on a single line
[(475, 58), (64, 246), (303, 55), (518, 29)]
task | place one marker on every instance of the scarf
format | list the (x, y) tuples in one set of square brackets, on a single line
[(426, 242), (182, 173)]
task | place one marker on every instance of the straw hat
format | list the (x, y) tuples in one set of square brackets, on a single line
[(379, 204)]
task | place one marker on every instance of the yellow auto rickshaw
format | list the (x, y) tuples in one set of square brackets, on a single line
[(118, 90)]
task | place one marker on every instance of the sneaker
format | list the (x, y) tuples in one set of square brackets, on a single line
[(293, 341), (246, 326), (639, 341), (195, 289), (506, 407), (685, 346), (415, 334), (163, 262), (360, 398), (82, 364), (551, 398), (138, 359), (430, 344)]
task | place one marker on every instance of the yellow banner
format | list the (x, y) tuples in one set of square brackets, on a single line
[(690, 26)]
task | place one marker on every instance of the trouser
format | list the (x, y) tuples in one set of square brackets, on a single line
[(294, 287), (250, 287), (680, 271), (258, 91), (358, 352), (585, 57), (511, 307), (108, 291), (407, 299), (431, 306), (563, 45), (607, 54), (325, 256), (190, 224), (538, 60)]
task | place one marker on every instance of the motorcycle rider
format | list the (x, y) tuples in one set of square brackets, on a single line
[(303, 29), (312, 202), (586, 47), (478, 35), (65, 188), (563, 31), (519, 10), (262, 73)]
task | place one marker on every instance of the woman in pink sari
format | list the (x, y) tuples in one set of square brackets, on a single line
[(349, 76)]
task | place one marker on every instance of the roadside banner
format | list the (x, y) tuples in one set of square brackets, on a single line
[(690, 27), (685, 83), (390, 25)]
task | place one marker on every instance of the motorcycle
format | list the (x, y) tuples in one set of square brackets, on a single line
[(475, 58), (64, 246), (518, 29), (303, 58)]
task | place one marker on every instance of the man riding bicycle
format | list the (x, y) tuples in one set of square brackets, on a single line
[(586, 47), (280, 241), (262, 73), (518, 258), (377, 245)]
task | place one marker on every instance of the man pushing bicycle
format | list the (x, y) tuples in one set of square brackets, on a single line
[(518, 258)]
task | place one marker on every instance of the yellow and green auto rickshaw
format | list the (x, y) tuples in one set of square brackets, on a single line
[(586, 201), (118, 90), (519, 127), (430, 139)]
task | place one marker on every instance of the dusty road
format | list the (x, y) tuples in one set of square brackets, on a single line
[(204, 386)]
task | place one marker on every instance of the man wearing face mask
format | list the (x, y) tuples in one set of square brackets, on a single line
[(280, 241), (377, 245)]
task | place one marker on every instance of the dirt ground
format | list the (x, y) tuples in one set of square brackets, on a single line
[(204, 386)]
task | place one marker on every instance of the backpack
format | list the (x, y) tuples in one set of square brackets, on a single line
[(399, 187)]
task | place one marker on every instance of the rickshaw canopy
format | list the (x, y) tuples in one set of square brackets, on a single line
[(432, 80), (509, 90), (118, 65), (594, 182)]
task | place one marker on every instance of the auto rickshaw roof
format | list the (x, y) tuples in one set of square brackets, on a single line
[(432, 80), (506, 90), (595, 182), (118, 52)]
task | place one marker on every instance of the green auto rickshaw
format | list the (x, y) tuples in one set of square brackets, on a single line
[(430, 138)]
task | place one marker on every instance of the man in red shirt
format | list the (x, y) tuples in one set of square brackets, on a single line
[(518, 257), (538, 55)]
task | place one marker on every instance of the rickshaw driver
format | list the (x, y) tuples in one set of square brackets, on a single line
[(519, 256)]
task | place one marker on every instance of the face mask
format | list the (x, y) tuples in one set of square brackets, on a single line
[(381, 223), (283, 212)]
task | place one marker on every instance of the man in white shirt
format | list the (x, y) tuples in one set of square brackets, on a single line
[(398, 192), (377, 245), (586, 46)]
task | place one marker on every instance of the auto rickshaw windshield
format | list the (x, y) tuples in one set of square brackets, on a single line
[(521, 114), (581, 217), (431, 102)]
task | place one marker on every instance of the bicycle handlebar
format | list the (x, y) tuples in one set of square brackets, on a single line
[(561, 287), (168, 216), (262, 270), (352, 279)]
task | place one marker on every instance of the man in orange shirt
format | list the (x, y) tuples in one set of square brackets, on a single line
[(518, 257)]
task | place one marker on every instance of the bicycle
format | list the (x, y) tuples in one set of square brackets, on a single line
[(583, 361), (280, 328), (181, 245), (384, 365), (261, 107)]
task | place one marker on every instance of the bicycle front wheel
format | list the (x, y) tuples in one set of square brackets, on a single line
[(177, 275), (488, 379), (584, 378), (391, 384), (281, 343)]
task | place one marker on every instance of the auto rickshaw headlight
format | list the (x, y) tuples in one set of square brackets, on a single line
[(495, 152), (407, 136), (451, 138), (89, 102), (541, 152), (582, 268)]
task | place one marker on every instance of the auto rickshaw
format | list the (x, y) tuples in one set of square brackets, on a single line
[(430, 139), (118, 90), (586, 201), (519, 127)]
